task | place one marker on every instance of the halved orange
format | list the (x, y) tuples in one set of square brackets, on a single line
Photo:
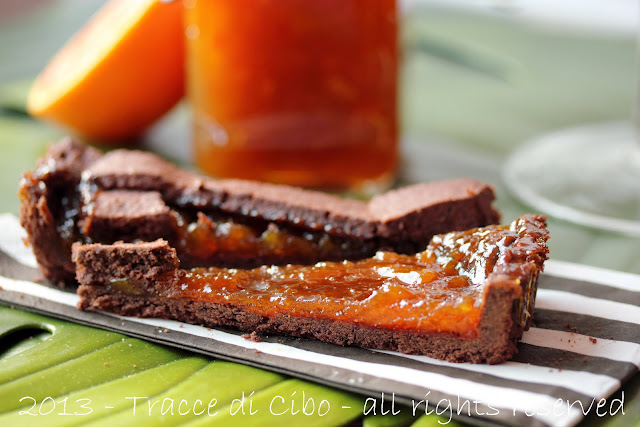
[(118, 74)]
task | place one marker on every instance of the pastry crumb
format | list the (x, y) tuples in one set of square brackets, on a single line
[(571, 328), (251, 337)]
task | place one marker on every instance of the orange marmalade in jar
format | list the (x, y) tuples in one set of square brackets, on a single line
[(299, 92)]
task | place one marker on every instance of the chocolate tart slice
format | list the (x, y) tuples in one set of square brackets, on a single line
[(77, 194), (467, 298)]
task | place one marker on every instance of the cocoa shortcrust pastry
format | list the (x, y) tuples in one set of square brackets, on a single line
[(467, 297), (77, 194)]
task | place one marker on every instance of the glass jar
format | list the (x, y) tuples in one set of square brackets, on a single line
[(299, 92)]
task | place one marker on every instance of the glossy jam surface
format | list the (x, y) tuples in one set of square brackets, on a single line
[(206, 238), (438, 290), (300, 92)]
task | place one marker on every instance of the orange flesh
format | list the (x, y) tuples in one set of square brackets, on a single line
[(118, 74), (438, 290)]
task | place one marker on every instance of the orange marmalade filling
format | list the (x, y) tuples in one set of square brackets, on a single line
[(207, 237), (438, 290)]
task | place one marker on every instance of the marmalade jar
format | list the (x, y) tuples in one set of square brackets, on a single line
[(299, 92)]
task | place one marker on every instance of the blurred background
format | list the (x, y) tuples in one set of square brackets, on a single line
[(478, 78)]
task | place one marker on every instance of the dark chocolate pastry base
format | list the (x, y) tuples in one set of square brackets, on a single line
[(76, 194), (43, 194), (508, 298), (494, 344)]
